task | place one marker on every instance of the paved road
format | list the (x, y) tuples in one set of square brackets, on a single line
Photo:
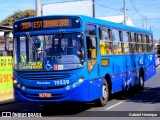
[(132, 100)]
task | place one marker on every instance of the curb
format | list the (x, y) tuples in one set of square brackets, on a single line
[(6, 102)]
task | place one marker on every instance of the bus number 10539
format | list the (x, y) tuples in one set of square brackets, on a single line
[(61, 82)]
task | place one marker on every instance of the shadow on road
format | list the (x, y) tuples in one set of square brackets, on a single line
[(68, 109), (149, 95)]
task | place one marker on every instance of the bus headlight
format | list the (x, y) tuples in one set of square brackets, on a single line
[(15, 82), (80, 80)]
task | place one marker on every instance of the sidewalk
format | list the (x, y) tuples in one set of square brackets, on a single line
[(7, 102)]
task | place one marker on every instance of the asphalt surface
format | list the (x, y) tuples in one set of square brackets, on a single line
[(123, 105)]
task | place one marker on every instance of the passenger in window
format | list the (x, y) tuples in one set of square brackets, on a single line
[(79, 50)]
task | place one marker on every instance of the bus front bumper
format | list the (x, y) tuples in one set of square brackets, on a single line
[(80, 93)]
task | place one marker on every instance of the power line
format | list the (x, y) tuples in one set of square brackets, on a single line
[(107, 7), (133, 5), (144, 18)]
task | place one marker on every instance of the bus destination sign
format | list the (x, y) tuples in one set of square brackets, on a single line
[(46, 24)]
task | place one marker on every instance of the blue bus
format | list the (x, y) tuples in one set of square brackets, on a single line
[(78, 58)]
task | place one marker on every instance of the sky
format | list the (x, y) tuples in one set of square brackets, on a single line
[(150, 9)]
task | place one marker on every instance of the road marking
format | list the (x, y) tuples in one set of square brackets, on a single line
[(114, 105)]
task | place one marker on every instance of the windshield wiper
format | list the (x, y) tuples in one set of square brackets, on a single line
[(30, 40)]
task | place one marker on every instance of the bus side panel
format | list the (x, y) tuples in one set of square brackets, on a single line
[(112, 68), (120, 68), (150, 69), (119, 77), (95, 88), (131, 78), (95, 83)]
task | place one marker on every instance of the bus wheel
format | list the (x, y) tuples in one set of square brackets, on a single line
[(141, 82), (105, 95)]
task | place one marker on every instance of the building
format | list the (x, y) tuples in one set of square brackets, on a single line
[(118, 19), (6, 40)]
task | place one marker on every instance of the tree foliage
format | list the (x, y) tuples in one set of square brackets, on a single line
[(17, 15)]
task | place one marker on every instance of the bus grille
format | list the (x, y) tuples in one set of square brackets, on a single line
[(40, 76)]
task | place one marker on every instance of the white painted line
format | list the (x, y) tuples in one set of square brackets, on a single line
[(114, 105)]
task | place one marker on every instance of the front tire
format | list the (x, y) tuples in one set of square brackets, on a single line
[(105, 95)]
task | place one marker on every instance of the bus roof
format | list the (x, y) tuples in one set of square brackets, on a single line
[(114, 25), (86, 19)]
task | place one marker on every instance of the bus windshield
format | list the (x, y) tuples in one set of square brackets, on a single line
[(63, 51)]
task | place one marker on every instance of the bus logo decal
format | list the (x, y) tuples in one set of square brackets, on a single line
[(150, 57), (141, 61), (127, 82), (48, 66)]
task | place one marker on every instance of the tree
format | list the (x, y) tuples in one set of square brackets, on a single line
[(17, 15)]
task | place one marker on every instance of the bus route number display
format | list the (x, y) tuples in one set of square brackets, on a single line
[(31, 65), (45, 24)]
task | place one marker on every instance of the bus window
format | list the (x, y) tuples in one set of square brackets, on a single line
[(105, 41), (23, 49), (90, 29), (48, 47), (36, 49), (145, 43), (133, 43), (126, 42), (150, 44), (117, 44), (91, 45), (14, 52), (139, 45), (136, 42)]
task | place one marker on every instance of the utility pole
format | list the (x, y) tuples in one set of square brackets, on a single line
[(142, 21), (146, 22), (124, 8), (93, 8), (38, 8)]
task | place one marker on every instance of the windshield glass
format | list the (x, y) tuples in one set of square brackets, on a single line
[(49, 52)]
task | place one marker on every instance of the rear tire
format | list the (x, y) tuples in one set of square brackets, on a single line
[(105, 95)]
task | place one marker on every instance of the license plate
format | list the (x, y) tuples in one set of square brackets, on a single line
[(45, 95)]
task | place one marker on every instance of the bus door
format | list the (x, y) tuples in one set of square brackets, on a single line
[(93, 67), (91, 42)]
